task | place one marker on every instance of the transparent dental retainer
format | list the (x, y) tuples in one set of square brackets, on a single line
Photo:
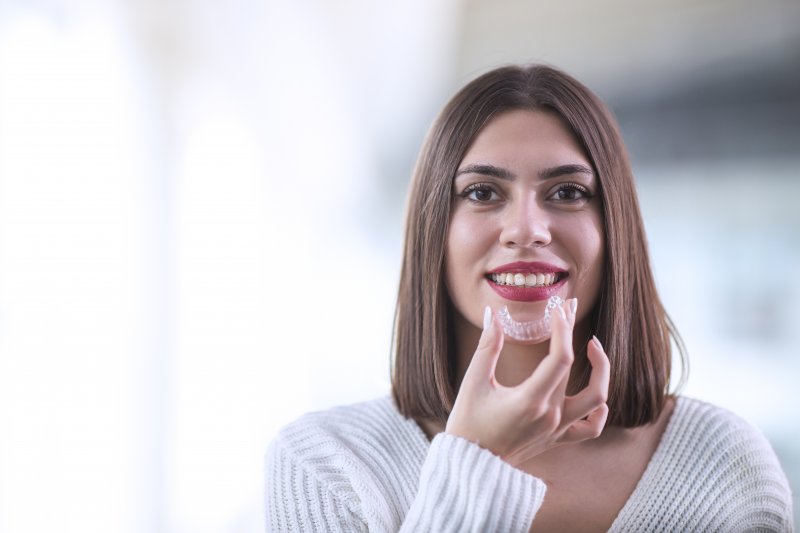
[(535, 330)]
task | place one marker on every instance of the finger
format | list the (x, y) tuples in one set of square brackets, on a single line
[(484, 360), (553, 372), (570, 308), (596, 392), (589, 428)]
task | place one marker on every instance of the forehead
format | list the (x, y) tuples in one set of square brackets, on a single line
[(528, 137)]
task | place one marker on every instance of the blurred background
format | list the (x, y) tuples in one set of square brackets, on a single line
[(201, 218)]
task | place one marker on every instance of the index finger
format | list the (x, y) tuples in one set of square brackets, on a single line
[(596, 392), (482, 366), (551, 375)]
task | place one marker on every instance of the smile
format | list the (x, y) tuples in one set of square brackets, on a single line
[(541, 279), (526, 281), (515, 286)]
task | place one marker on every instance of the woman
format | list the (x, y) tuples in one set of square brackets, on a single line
[(524, 248)]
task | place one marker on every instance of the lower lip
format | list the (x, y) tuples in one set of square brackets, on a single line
[(526, 294)]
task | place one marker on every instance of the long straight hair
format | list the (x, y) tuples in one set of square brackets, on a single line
[(629, 318)]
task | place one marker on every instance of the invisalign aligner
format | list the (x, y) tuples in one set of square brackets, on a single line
[(529, 331)]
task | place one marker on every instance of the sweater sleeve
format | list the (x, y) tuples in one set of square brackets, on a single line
[(298, 499), (462, 487)]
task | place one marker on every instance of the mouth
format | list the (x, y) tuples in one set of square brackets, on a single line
[(531, 279), (526, 282)]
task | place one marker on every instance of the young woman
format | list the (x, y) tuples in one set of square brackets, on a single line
[(525, 249)]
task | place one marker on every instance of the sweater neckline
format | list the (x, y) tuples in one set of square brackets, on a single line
[(642, 486), (648, 478)]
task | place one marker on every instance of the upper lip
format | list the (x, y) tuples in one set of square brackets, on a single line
[(526, 267)]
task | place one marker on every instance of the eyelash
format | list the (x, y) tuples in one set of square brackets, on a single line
[(477, 187), (569, 186)]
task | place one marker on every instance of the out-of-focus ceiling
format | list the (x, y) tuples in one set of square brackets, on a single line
[(616, 44), (725, 71)]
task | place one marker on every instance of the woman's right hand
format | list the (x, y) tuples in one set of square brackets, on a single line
[(519, 423)]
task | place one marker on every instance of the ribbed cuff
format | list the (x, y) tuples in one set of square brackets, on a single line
[(464, 487)]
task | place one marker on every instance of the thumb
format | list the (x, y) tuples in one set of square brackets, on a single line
[(484, 360)]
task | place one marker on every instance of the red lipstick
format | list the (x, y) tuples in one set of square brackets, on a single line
[(527, 267), (527, 294)]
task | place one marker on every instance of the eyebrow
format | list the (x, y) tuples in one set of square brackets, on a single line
[(486, 170), (546, 174), (564, 170)]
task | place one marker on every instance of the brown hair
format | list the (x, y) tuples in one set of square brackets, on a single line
[(629, 317)]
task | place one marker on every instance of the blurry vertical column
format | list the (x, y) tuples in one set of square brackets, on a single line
[(80, 298), (283, 301)]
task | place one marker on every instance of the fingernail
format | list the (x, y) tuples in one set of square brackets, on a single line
[(487, 317), (561, 310), (598, 342), (573, 305)]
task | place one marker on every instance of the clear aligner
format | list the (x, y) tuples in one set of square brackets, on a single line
[(535, 330)]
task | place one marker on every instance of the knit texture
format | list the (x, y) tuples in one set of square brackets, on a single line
[(366, 468)]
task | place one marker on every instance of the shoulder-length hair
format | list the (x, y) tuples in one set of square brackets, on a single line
[(629, 317)]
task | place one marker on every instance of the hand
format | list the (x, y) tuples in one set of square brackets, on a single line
[(518, 423)]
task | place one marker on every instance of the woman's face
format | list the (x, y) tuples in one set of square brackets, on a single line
[(526, 221)]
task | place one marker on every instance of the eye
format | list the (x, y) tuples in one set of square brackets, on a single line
[(571, 192), (480, 193)]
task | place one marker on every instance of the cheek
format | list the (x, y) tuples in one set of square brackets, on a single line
[(595, 249), (465, 251), (456, 251), (592, 251)]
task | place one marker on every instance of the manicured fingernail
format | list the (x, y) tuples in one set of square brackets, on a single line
[(487, 317), (598, 342), (573, 305), (561, 310)]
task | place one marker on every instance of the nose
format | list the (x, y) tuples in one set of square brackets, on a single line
[(525, 224)]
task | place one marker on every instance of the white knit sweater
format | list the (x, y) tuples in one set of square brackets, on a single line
[(367, 468)]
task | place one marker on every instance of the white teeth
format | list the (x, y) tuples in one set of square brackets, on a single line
[(524, 280)]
